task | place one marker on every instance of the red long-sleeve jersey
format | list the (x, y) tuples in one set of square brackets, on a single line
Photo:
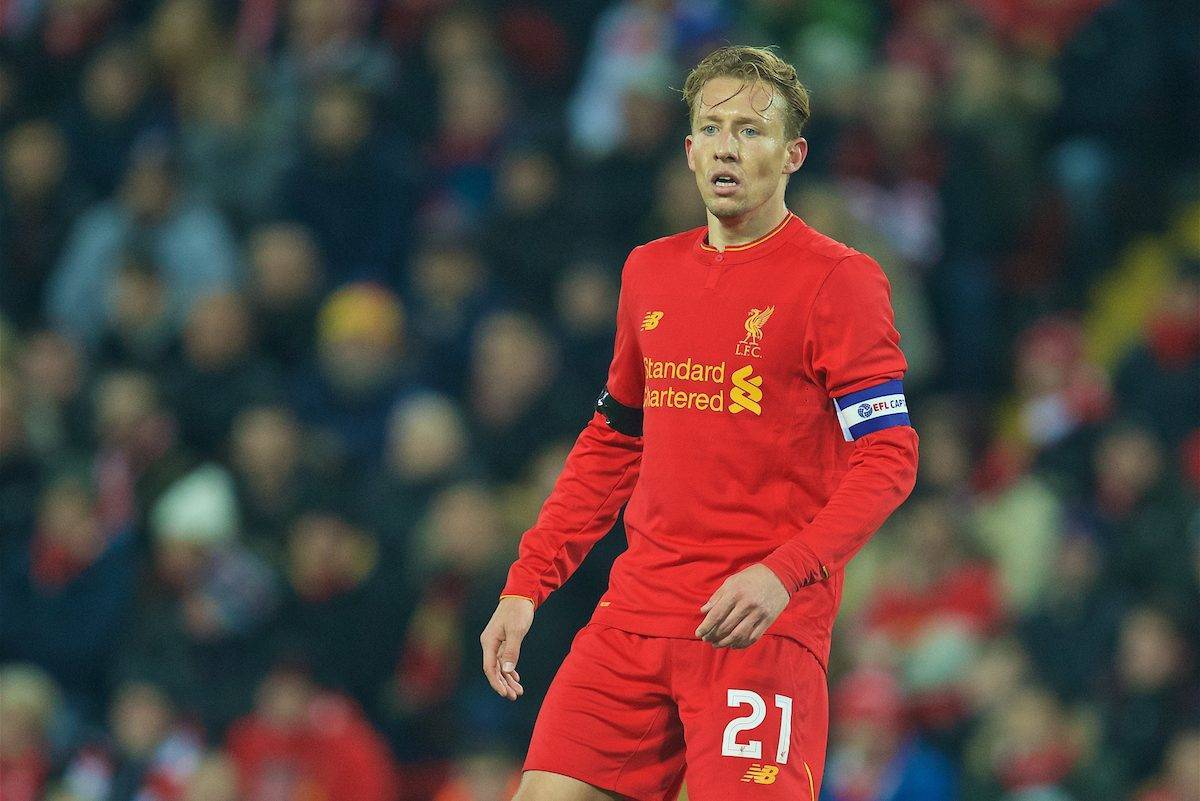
[(754, 412)]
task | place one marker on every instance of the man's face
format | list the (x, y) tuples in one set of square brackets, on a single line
[(738, 148)]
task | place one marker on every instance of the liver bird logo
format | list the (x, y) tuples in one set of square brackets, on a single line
[(755, 322)]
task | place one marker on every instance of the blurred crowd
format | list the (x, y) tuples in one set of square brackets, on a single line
[(303, 302)]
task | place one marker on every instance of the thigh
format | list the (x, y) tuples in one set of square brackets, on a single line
[(755, 721), (608, 719), (538, 785)]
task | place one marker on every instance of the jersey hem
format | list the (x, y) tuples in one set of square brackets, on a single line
[(683, 629)]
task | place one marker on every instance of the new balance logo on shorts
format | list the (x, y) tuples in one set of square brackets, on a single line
[(761, 774)]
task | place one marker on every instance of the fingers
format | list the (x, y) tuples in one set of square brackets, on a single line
[(718, 607), (491, 663), (506, 683), (754, 636), (500, 653), (734, 618), (509, 655), (501, 642), (758, 632), (512, 683), (739, 636)]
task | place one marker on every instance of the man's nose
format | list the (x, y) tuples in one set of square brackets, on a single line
[(727, 147)]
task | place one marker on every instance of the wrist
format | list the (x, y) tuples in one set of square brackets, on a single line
[(793, 578), (780, 574)]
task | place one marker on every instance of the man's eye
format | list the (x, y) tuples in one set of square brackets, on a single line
[(750, 131), (709, 129)]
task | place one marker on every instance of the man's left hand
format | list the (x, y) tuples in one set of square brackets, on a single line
[(743, 608)]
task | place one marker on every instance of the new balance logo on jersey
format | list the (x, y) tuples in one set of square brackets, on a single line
[(650, 321), (761, 774)]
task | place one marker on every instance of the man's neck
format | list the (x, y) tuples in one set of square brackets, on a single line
[(728, 232)]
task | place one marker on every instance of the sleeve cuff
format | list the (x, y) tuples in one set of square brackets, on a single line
[(796, 576), (518, 595)]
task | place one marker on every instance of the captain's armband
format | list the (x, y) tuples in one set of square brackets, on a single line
[(871, 409)]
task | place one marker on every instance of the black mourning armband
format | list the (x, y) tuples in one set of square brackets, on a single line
[(625, 419)]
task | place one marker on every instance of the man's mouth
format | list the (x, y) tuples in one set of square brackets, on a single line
[(725, 183)]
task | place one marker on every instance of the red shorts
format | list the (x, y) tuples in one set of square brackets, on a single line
[(627, 713)]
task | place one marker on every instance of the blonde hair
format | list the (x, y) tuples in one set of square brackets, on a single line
[(752, 64)]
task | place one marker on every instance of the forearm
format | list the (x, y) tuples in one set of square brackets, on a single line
[(597, 479), (883, 469)]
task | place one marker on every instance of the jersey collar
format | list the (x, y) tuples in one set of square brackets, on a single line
[(788, 227)]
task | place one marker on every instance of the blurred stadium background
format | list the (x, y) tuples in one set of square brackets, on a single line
[(304, 302)]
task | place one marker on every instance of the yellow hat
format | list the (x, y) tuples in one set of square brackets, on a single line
[(361, 311)]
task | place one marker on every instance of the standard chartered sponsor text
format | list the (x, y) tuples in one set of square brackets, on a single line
[(689, 371), (686, 370)]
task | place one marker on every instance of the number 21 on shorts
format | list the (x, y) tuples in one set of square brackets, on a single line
[(753, 749)]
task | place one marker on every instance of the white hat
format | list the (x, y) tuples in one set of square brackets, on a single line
[(200, 508)]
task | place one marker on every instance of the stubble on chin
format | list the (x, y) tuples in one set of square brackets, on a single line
[(726, 211), (724, 208)]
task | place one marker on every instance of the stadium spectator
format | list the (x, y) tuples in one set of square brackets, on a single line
[(436, 704), (286, 279), (53, 374), (116, 107), (215, 779), (233, 151), (451, 289), (1143, 514), (29, 702), (1148, 687), (363, 366), (151, 755), (1180, 775), (346, 604), (221, 372), (300, 740), (631, 44), (188, 239), (345, 189), (873, 757), (1074, 625), (183, 37), (615, 204), (514, 369), (37, 207), (139, 330), (275, 474), (487, 776), (428, 447), (474, 117), (66, 592), (200, 616), (138, 455), (21, 472), (528, 197)]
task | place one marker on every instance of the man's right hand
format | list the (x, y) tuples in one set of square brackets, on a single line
[(501, 641)]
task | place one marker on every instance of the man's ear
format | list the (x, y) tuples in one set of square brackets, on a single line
[(687, 149), (797, 151)]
